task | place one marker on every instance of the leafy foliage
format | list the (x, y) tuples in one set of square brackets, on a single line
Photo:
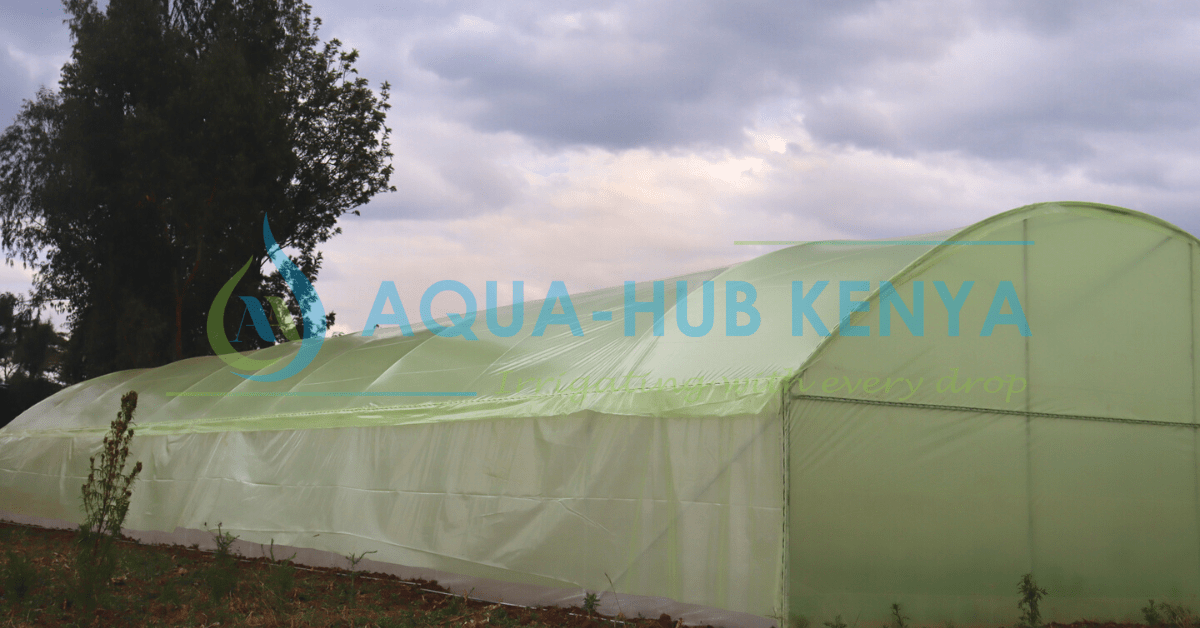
[(139, 187), (29, 346), (355, 559), (590, 602), (30, 353), (1167, 614), (282, 578), (222, 576), (106, 496), (1031, 596), (107, 492)]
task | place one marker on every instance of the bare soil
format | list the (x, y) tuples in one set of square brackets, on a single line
[(162, 585)]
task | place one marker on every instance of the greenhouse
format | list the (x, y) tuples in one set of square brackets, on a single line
[(825, 430)]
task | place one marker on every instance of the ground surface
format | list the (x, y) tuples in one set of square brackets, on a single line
[(158, 585), (177, 586)]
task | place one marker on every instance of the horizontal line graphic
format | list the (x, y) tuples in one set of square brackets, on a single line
[(321, 394), (905, 242)]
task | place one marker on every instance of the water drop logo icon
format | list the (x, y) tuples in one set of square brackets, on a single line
[(312, 311)]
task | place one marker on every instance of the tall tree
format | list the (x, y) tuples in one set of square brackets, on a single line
[(140, 186), (30, 355)]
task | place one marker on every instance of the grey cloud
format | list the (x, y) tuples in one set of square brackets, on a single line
[(1046, 100), (659, 74), (445, 171), (1054, 86), (671, 74), (616, 93), (34, 43)]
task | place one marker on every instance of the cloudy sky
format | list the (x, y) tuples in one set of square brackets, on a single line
[(596, 142)]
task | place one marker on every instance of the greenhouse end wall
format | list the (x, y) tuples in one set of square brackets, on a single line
[(1067, 450), (943, 512)]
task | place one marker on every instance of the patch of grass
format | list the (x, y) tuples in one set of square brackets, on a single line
[(147, 566), (167, 586), (95, 566), (500, 618), (1166, 614), (19, 577), (169, 597)]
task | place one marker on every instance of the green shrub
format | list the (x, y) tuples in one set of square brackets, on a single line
[(1153, 615), (354, 559), (1031, 596), (221, 577), (106, 496), (281, 578), (1166, 614)]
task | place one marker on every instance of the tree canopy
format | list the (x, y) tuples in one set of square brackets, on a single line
[(30, 355), (140, 186)]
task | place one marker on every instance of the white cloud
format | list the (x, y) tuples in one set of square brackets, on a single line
[(41, 69)]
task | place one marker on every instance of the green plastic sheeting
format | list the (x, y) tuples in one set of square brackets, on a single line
[(777, 472)]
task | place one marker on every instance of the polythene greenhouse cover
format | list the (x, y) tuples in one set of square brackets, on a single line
[(918, 421)]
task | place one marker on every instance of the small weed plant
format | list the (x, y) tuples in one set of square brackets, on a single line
[(590, 602), (221, 578), (355, 559), (1166, 614), (106, 496), (612, 587), (898, 620), (282, 577), (1153, 614), (836, 623), (1031, 597)]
